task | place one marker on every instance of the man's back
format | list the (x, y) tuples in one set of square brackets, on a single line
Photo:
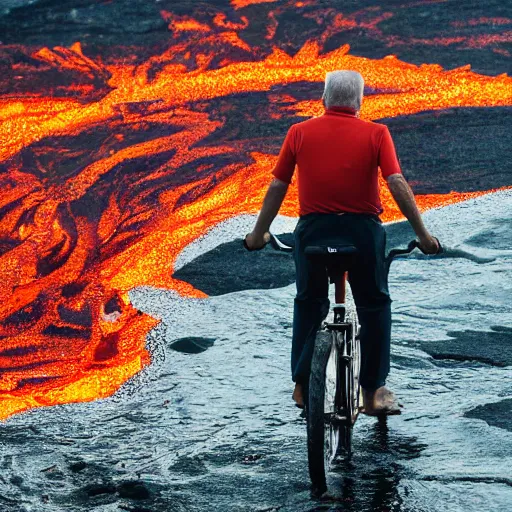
[(338, 156)]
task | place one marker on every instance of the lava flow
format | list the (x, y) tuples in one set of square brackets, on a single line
[(106, 179)]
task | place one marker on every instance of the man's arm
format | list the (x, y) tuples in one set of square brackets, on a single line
[(271, 204), (404, 197)]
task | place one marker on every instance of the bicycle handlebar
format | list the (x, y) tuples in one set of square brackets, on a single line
[(278, 245), (413, 244), (444, 251)]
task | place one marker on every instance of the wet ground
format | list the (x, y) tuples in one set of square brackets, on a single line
[(210, 424)]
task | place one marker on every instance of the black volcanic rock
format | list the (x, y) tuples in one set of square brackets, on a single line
[(460, 149), (135, 490), (192, 345), (450, 33), (99, 488), (62, 23), (246, 270), (491, 347), (77, 466), (497, 414)]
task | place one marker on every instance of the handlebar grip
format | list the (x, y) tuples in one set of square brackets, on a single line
[(245, 244), (268, 238), (278, 245), (248, 248), (440, 248)]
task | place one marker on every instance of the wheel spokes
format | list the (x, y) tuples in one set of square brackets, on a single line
[(331, 432)]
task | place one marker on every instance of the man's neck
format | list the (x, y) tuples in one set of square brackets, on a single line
[(342, 110)]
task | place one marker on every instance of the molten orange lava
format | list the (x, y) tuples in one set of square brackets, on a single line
[(68, 331), (238, 4)]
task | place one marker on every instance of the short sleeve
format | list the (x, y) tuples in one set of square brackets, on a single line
[(285, 166), (388, 159)]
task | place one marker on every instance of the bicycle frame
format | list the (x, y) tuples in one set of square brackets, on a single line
[(340, 292), (334, 390), (343, 334), (340, 288)]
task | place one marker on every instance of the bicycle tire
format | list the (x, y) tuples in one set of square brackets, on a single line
[(347, 394), (349, 380), (316, 424), (355, 351)]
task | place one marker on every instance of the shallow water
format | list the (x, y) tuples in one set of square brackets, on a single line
[(216, 430)]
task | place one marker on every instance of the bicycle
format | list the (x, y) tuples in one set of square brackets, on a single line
[(332, 402)]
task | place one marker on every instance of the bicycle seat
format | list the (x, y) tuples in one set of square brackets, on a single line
[(336, 258), (330, 250)]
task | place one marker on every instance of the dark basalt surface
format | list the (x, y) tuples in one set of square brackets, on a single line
[(448, 32), (246, 271), (497, 414), (454, 150), (492, 347), (192, 345)]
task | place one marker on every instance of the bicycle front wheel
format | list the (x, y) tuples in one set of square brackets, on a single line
[(349, 383), (346, 377), (323, 435)]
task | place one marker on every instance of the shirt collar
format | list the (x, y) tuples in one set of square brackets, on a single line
[(351, 112)]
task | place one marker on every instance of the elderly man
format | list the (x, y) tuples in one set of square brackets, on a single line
[(338, 156)]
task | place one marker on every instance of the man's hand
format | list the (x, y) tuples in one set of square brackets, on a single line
[(255, 241), (271, 204), (429, 245)]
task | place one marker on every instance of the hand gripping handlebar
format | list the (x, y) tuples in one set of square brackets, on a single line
[(413, 244)]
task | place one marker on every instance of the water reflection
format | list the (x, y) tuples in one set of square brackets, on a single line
[(370, 479)]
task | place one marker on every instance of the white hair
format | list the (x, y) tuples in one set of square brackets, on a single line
[(343, 88)]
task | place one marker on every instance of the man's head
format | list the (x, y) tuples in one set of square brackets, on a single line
[(343, 88)]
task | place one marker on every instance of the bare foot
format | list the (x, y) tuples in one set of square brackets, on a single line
[(298, 396), (381, 402)]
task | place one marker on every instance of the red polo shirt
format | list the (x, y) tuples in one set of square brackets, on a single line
[(338, 156)]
